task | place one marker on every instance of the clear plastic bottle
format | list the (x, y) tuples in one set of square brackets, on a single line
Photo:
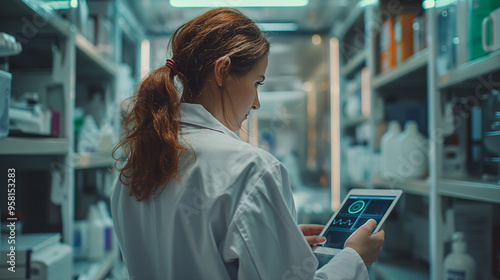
[(459, 265)]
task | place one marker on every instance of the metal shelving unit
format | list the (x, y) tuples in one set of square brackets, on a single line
[(47, 22), (53, 47), (354, 121), (355, 63), (470, 189), (418, 74), (356, 16), (470, 73), (408, 74), (90, 63), (34, 146), (417, 187)]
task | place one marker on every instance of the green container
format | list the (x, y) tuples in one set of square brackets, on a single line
[(478, 10)]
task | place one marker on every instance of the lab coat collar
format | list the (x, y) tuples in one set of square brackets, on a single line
[(197, 115)]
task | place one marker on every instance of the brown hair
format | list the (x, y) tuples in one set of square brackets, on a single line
[(152, 127)]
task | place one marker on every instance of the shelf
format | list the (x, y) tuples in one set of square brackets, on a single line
[(353, 18), (411, 73), (95, 270), (16, 13), (470, 73), (37, 28), (90, 63), (357, 184), (92, 160), (417, 187), (355, 63), (470, 189), (400, 268), (34, 146), (354, 121)]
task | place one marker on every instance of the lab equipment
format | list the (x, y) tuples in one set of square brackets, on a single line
[(39, 256)]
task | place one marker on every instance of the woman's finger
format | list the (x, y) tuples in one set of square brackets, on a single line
[(314, 240)]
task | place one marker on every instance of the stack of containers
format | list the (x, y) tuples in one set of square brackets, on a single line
[(404, 154)]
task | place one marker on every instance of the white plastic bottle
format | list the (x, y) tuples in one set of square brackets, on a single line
[(108, 225), (95, 240), (388, 148), (413, 153), (459, 265)]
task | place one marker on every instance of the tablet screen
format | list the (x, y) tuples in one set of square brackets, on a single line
[(354, 213)]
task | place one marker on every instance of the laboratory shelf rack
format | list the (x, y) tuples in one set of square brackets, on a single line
[(416, 78), (468, 188), (64, 61), (472, 72), (34, 146), (410, 73), (89, 62), (354, 121), (354, 64), (414, 186)]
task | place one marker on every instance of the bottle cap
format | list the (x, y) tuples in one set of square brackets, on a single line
[(459, 245), (394, 125)]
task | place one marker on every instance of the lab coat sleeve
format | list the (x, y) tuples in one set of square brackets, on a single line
[(266, 243), (346, 265)]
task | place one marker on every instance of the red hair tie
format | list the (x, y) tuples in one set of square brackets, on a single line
[(172, 65)]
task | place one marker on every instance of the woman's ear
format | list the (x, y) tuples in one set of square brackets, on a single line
[(221, 66)]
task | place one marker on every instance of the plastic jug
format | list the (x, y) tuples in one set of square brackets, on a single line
[(388, 150), (413, 153)]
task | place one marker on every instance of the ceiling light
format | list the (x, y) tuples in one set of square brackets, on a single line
[(239, 3), (316, 39), (428, 4), (284, 26), (365, 3)]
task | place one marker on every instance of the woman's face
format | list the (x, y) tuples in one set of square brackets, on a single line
[(243, 92)]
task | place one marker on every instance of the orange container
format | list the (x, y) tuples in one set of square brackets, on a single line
[(387, 46), (403, 35)]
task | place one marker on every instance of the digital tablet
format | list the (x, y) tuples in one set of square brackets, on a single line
[(359, 206)]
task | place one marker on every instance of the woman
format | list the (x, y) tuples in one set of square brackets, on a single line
[(193, 201)]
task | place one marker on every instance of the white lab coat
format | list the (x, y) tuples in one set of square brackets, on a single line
[(230, 216)]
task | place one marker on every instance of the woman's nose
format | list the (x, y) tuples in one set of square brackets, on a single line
[(256, 103)]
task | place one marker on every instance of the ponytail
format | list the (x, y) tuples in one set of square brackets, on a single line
[(150, 138)]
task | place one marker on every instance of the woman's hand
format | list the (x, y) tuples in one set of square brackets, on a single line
[(368, 245), (310, 232)]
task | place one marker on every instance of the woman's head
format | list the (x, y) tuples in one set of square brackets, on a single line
[(220, 59), (210, 51)]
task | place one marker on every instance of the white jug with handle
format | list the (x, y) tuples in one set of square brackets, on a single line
[(494, 20)]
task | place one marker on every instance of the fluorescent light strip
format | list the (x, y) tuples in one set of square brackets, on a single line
[(238, 3), (428, 4), (335, 120), (278, 26), (365, 3)]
